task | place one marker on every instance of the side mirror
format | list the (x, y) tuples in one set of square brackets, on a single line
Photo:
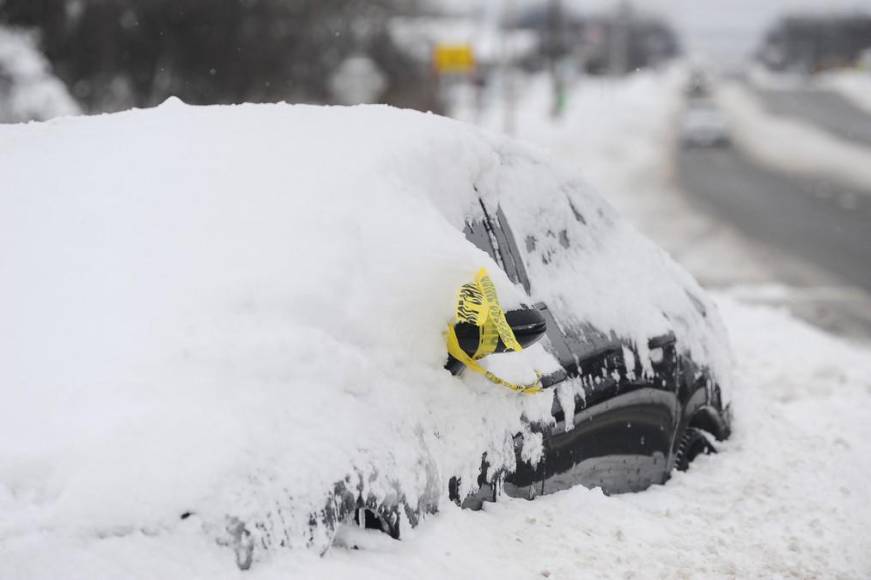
[(528, 325)]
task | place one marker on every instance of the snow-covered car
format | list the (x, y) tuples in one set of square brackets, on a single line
[(236, 320), (703, 125)]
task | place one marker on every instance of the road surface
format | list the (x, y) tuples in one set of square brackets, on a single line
[(824, 109), (814, 220)]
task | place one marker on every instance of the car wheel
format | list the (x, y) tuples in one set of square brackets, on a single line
[(694, 443), (386, 520)]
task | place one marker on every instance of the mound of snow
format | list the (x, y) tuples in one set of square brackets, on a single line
[(28, 90), (226, 310)]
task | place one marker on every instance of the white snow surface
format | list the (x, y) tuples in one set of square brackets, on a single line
[(28, 89), (226, 310)]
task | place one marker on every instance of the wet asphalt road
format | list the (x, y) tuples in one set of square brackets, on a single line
[(818, 221), (824, 109), (815, 220)]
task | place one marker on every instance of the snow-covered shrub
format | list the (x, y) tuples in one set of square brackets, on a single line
[(28, 89)]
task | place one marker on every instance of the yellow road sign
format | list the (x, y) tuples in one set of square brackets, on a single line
[(454, 58)]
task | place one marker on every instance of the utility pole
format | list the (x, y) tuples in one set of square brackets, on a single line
[(619, 39), (556, 46), (510, 104)]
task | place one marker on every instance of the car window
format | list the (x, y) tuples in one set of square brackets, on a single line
[(476, 232), (550, 246), (569, 340), (493, 235), (511, 257)]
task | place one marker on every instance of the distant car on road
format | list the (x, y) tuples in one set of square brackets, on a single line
[(698, 86), (703, 125)]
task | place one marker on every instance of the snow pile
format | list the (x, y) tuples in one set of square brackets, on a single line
[(28, 90), (227, 310), (617, 133), (792, 146), (855, 85), (609, 125)]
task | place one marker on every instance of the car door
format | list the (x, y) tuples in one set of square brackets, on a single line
[(613, 424)]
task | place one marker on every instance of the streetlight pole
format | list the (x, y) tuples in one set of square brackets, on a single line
[(507, 68), (619, 40), (556, 48)]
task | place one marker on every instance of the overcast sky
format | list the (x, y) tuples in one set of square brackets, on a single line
[(721, 29)]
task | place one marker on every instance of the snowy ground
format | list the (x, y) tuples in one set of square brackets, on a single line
[(785, 497)]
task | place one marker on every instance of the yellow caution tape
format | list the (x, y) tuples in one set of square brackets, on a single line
[(478, 304)]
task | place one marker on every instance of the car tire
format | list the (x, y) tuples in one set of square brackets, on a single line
[(694, 442), (386, 521)]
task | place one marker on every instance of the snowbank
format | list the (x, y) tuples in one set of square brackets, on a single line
[(617, 133), (227, 310), (792, 146), (608, 124), (28, 90)]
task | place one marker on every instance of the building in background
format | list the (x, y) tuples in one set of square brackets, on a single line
[(118, 54), (813, 43)]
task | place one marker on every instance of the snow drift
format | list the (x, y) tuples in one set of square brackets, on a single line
[(226, 310)]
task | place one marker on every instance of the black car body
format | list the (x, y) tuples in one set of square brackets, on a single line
[(623, 430), (626, 431)]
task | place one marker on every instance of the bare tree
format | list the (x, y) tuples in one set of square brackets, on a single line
[(120, 53)]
